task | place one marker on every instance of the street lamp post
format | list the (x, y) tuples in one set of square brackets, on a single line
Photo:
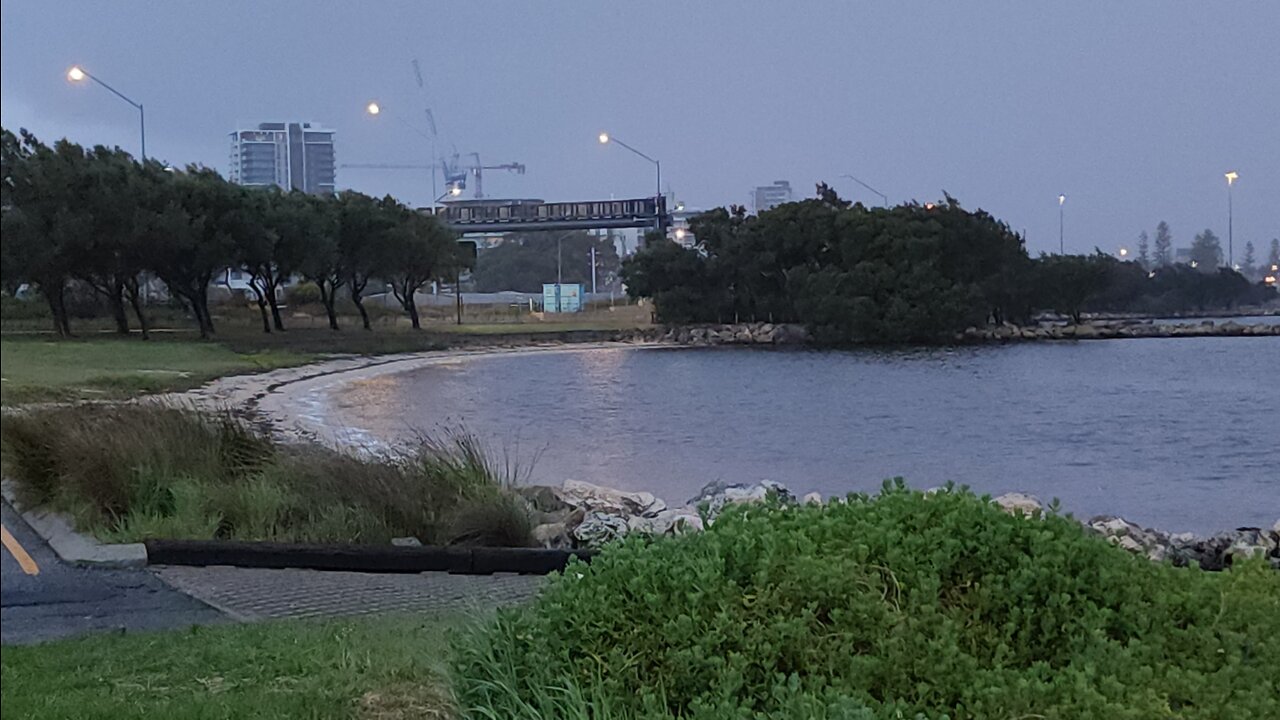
[(1231, 180), (606, 138), (1061, 246), (883, 197), (78, 74), (375, 109)]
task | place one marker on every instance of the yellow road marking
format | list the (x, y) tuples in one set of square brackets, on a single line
[(18, 552)]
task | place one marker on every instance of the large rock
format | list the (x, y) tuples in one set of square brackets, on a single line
[(714, 496), (542, 498), (668, 522), (589, 496), (552, 535), (1019, 502), (599, 527)]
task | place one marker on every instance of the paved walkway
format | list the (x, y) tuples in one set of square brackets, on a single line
[(256, 594), (42, 598)]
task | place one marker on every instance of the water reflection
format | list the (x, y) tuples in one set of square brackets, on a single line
[(1179, 433)]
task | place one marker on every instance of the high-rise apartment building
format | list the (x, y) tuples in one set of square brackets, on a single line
[(770, 196), (293, 156)]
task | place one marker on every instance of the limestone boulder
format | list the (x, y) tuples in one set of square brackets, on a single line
[(599, 527), (1015, 502), (589, 496)]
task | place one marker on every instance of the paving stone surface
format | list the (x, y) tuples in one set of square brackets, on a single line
[(255, 594)]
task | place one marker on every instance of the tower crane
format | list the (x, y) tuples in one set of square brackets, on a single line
[(478, 170)]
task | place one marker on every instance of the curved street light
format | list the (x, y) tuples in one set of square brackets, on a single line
[(605, 138), (374, 109), (883, 197), (79, 74)]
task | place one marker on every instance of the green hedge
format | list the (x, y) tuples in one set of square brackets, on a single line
[(904, 605)]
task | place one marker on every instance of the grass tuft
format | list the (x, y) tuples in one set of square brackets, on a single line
[(145, 471)]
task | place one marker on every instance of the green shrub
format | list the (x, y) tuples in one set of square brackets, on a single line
[(306, 293), (899, 606)]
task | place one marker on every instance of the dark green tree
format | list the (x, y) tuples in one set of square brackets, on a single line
[(418, 249), (1144, 250), (363, 224), (1206, 251), (523, 262), (1163, 245), (39, 220), (192, 238), (1250, 267), (1273, 259), (1067, 283), (321, 262)]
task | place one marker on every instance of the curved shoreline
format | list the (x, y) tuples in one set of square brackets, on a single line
[(283, 401), (294, 404)]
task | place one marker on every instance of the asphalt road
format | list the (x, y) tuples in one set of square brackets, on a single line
[(42, 598)]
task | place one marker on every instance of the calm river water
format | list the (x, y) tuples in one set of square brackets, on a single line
[(1181, 434)]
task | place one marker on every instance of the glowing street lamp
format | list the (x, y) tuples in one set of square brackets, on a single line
[(1231, 180), (374, 109), (605, 138), (79, 74)]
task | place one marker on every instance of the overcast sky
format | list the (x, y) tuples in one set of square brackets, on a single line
[(1133, 109)]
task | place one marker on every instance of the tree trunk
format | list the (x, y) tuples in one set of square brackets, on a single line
[(56, 298), (329, 298), (115, 298), (411, 305), (275, 311), (266, 319), (260, 297), (135, 300), (359, 301), (200, 300), (275, 308)]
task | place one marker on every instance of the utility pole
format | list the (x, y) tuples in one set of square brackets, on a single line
[(1061, 246), (593, 269), (457, 290), (559, 271), (1231, 261)]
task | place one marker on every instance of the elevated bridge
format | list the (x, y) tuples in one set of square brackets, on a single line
[(528, 215)]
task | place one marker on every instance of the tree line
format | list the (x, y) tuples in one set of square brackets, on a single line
[(911, 273), (523, 262), (96, 217), (1206, 251)]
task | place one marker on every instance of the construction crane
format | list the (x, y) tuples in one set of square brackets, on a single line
[(478, 170), (454, 177)]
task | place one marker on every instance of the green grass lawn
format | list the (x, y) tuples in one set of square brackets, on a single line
[(98, 364), (383, 668), (39, 369)]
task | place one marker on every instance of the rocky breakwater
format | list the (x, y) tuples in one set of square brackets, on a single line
[(1108, 329), (737, 334), (1181, 549), (585, 515)]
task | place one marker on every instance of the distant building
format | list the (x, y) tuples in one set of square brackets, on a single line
[(293, 156), (766, 197), (679, 230)]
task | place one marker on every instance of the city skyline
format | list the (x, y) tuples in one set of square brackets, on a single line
[(1004, 109)]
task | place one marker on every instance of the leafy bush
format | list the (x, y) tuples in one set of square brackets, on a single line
[(307, 293), (905, 605), (132, 472)]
